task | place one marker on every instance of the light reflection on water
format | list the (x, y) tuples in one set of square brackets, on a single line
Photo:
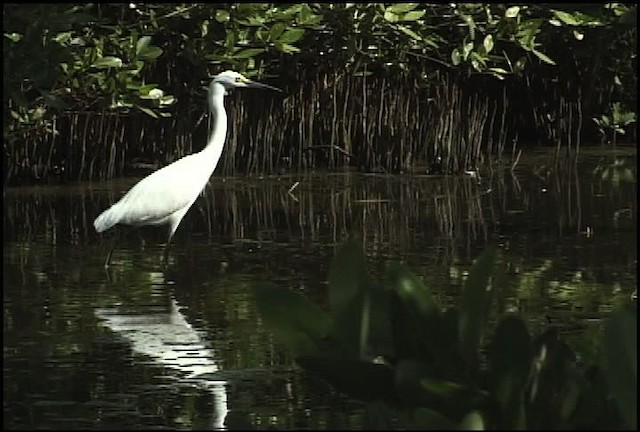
[(137, 347), (170, 340)]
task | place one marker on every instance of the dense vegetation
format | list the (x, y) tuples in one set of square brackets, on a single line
[(420, 366), (94, 90)]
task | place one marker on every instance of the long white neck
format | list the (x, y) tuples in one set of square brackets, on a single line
[(219, 133)]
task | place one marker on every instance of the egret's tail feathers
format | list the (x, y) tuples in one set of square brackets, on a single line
[(106, 220)]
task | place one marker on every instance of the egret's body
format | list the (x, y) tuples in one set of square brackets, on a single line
[(165, 196)]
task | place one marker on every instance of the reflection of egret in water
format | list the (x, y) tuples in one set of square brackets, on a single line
[(169, 339)]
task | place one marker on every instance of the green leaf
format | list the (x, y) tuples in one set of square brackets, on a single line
[(147, 111), (466, 49), (391, 17), (412, 289), (511, 348), (276, 30), (13, 37), (286, 48), (474, 305), (566, 18), (512, 12), (222, 15), (498, 70), (247, 53), (150, 53), (488, 43), (543, 57), (400, 8), (411, 307), (167, 100), (409, 32), (107, 62), (472, 421), (291, 36), (347, 276), (456, 57), (621, 362), (295, 321), (413, 15), (142, 44), (351, 326)]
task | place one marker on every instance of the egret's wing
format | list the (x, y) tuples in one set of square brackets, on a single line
[(166, 191)]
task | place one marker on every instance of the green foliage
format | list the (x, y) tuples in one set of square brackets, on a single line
[(391, 344), (143, 57), (614, 122), (62, 57)]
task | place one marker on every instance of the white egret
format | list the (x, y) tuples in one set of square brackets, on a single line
[(165, 196)]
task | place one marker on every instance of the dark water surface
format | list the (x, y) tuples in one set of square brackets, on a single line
[(139, 347)]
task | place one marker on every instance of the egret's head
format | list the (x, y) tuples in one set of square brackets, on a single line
[(231, 79)]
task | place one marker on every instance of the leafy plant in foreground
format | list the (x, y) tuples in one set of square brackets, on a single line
[(390, 344)]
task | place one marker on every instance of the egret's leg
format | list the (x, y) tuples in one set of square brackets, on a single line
[(113, 246), (165, 255)]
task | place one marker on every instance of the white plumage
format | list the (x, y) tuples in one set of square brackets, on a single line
[(165, 196)]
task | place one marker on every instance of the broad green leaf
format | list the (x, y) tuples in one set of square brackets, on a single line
[(472, 421), (621, 362), (400, 8), (351, 326), (155, 93), (107, 62), (456, 57), (413, 15), (143, 42), (543, 57), (150, 53), (488, 43), (512, 12), (230, 39), (147, 111), (498, 70), (466, 49), (441, 388), (298, 323), (511, 348), (222, 15), (276, 30), (411, 288), (285, 48), (409, 32), (13, 37), (391, 17), (347, 276), (412, 307), (247, 53), (291, 36), (566, 18), (167, 100), (474, 305)]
